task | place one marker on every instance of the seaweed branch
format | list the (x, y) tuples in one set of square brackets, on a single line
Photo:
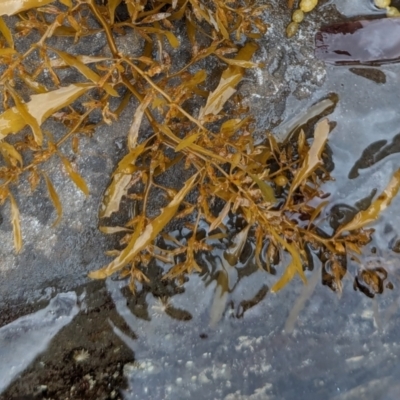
[(268, 187)]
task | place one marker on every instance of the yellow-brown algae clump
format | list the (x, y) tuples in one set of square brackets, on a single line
[(298, 16), (382, 3), (281, 180), (292, 29), (308, 5), (390, 11)]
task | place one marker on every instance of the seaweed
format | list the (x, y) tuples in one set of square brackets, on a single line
[(235, 191)]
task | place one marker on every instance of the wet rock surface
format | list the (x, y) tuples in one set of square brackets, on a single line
[(84, 361), (302, 343)]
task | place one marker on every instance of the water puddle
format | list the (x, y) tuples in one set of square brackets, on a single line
[(355, 8), (223, 334), (24, 339)]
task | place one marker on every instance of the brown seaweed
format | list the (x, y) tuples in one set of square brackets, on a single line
[(372, 74), (274, 187)]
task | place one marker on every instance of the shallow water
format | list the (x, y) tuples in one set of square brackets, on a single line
[(24, 339), (355, 8), (302, 343)]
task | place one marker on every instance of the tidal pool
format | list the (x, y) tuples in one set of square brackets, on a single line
[(94, 340)]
